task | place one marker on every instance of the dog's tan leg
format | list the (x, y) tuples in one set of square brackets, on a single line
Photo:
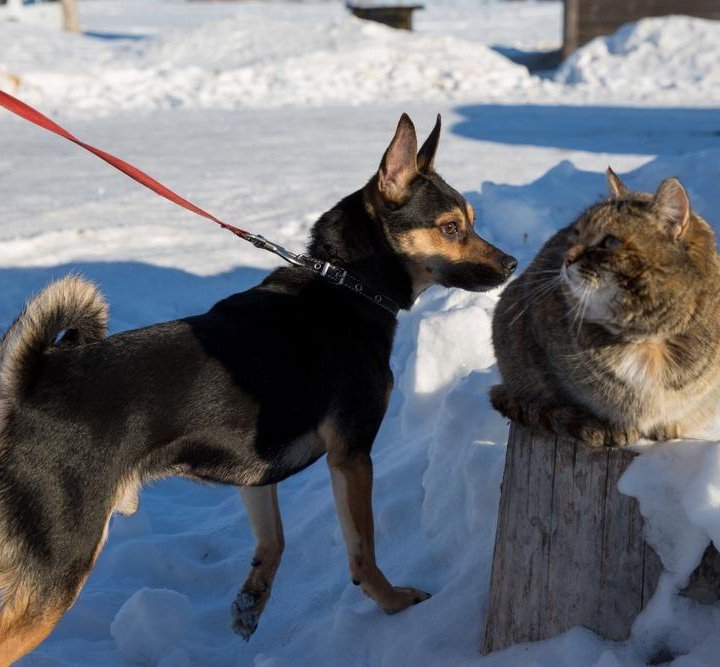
[(352, 478), (29, 613), (25, 621), (261, 504)]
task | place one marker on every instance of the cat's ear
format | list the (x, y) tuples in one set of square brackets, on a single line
[(672, 205), (398, 167), (616, 187), (426, 156)]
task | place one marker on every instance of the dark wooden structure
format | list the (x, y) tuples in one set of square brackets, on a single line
[(586, 19), (569, 548), (396, 16)]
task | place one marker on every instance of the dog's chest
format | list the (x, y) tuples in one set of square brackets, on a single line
[(289, 458), (302, 451)]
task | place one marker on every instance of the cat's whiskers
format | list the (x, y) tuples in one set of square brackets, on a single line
[(540, 292), (586, 301), (579, 308)]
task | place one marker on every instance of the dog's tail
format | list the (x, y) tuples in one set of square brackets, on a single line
[(71, 305)]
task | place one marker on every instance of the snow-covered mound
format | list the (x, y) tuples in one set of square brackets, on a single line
[(668, 58), (521, 218), (301, 54)]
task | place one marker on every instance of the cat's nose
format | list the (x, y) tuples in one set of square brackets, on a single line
[(573, 254)]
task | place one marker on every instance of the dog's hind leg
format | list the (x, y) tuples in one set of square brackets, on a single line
[(261, 504), (352, 478), (34, 598), (26, 619)]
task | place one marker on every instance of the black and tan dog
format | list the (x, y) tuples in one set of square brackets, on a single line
[(253, 391)]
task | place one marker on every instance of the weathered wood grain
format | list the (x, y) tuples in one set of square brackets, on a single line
[(569, 548)]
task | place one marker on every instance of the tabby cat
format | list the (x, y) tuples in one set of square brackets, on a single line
[(613, 331)]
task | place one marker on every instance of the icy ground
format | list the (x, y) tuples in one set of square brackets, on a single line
[(267, 115)]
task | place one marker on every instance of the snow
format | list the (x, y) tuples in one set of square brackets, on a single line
[(255, 63), (671, 58), (151, 626), (266, 115)]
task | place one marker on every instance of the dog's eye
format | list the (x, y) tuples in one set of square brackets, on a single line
[(609, 242), (449, 228)]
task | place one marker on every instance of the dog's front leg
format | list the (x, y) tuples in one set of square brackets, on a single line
[(262, 508), (352, 478)]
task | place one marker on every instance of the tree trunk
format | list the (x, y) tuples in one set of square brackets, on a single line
[(569, 548)]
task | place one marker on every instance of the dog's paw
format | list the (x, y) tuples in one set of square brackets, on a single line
[(402, 598), (245, 614)]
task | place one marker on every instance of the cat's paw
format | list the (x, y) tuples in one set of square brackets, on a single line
[(505, 403), (621, 437), (575, 424), (665, 432)]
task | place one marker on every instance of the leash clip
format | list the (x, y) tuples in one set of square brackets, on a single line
[(261, 242)]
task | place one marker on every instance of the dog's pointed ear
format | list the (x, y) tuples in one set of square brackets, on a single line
[(672, 205), (616, 187), (426, 156), (398, 167)]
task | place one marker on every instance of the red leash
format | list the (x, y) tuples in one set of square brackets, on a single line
[(34, 116), (334, 274)]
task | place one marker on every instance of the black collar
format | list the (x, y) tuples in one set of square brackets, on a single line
[(339, 276), (334, 274)]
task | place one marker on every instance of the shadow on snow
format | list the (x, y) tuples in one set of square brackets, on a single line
[(139, 294), (623, 130)]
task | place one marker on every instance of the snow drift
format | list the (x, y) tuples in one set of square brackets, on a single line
[(672, 60), (305, 55)]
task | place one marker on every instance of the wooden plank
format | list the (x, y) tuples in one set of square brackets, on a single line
[(571, 25), (523, 495), (395, 16)]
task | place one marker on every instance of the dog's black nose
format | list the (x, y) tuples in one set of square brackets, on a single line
[(509, 263)]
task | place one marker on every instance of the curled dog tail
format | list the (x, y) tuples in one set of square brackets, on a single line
[(72, 305)]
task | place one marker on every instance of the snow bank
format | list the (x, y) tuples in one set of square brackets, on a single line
[(300, 55), (678, 487), (279, 55), (150, 627), (521, 218), (671, 59)]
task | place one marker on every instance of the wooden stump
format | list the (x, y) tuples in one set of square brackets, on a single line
[(569, 548)]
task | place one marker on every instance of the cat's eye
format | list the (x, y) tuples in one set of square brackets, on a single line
[(449, 228), (609, 242)]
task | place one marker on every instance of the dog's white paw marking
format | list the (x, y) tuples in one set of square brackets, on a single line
[(245, 616)]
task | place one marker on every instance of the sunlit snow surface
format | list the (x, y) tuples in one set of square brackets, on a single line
[(267, 114)]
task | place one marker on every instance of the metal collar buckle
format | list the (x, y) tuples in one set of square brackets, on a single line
[(334, 274)]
